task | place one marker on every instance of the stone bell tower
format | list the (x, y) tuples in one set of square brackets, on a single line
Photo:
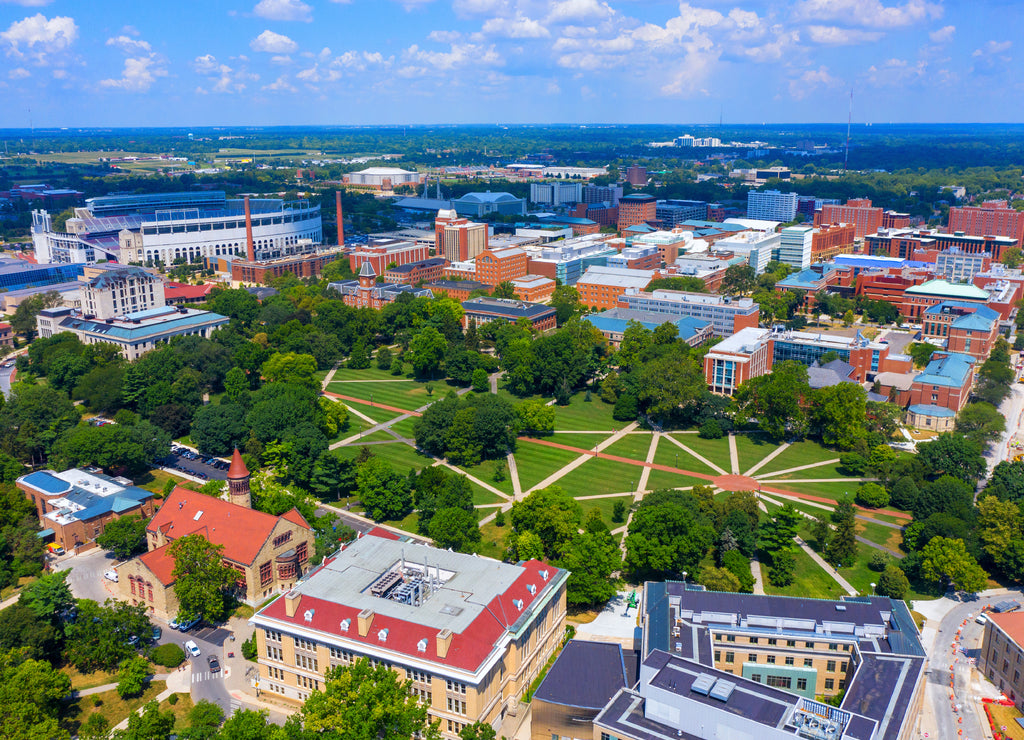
[(238, 482)]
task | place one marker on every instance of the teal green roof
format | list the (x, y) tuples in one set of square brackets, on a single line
[(946, 288)]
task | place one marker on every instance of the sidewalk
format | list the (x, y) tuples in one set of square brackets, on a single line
[(178, 682)]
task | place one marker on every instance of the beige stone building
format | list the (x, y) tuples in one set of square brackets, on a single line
[(269, 552), (471, 633)]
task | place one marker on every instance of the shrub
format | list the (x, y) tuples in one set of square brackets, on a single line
[(781, 571), (249, 649), (872, 495), (499, 519), (619, 512), (893, 582), (878, 561), (172, 699), (711, 429), (168, 655)]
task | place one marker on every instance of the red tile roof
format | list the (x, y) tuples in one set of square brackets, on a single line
[(468, 650), (160, 564), (183, 291), (237, 469), (1012, 623), (241, 531), (382, 533)]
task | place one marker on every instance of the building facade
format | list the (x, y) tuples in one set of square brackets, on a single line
[(991, 218), (727, 315), (601, 287), (494, 266), (735, 360), (636, 209), (771, 205), (865, 218), (366, 292), (382, 253), (556, 193), (1002, 654), (534, 288), (469, 632), (458, 239), (795, 246), (484, 310)]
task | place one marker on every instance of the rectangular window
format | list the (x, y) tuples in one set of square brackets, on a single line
[(790, 643), (779, 682), (753, 640), (801, 684), (755, 677), (266, 573), (829, 684), (282, 538), (771, 659), (808, 662), (830, 666), (789, 660), (274, 653), (456, 705), (772, 641), (343, 656), (751, 657), (809, 645), (302, 552), (455, 687), (718, 656), (272, 635), (301, 644), (730, 657), (833, 646), (304, 661)]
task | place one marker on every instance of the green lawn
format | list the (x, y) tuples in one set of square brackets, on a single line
[(408, 394), (831, 470), (581, 441), (401, 456), (669, 454), (880, 534), (492, 539), (595, 415), (536, 462), (752, 449), (832, 490), (633, 446), (485, 472), (661, 479), (408, 524), (374, 412), (405, 427), (354, 426), (370, 373), (482, 496), (800, 453), (606, 506), (597, 476), (808, 580), (715, 450)]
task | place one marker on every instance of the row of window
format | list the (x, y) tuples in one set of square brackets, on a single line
[(306, 662), (730, 657), (774, 641)]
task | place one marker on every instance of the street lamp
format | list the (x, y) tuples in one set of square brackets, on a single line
[(872, 589), (684, 577), (677, 459)]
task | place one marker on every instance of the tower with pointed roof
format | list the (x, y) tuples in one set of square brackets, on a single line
[(238, 482)]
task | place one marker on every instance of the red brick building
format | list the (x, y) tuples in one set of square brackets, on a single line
[(991, 218), (945, 382), (494, 266), (636, 209), (485, 310), (366, 292), (457, 290), (636, 176), (6, 335), (413, 272), (380, 253), (857, 211), (458, 239), (600, 287), (894, 220), (903, 243), (534, 288), (182, 293), (829, 240), (917, 298), (735, 360), (966, 328), (599, 213)]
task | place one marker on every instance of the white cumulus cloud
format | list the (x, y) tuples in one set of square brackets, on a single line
[(273, 43), (129, 45), (38, 37), (284, 10), (943, 34), (835, 36), (138, 75), (578, 10), (868, 13), (519, 27)]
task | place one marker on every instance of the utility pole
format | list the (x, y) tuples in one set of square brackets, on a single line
[(849, 120)]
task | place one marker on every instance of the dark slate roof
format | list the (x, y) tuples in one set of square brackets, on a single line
[(410, 266), (586, 674), (509, 308)]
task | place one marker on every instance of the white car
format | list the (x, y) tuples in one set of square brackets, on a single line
[(111, 575), (192, 648)]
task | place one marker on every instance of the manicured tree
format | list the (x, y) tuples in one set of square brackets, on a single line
[(893, 582), (842, 549)]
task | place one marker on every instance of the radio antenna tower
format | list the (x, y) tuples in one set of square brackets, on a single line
[(849, 120)]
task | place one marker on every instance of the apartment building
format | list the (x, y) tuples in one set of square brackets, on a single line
[(831, 240), (600, 287), (471, 633), (904, 242), (991, 218), (636, 209), (771, 205), (866, 219)]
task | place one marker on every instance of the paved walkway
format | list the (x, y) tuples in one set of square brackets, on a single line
[(800, 467), (584, 455), (843, 583), (768, 458), (755, 570), (178, 682), (513, 472), (734, 455), (641, 484), (353, 399)]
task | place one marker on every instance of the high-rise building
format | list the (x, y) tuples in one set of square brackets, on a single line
[(636, 175), (609, 194), (458, 238), (857, 211), (991, 218), (795, 246), (771, 205), (636, 209), (674, 212), (556, 193)]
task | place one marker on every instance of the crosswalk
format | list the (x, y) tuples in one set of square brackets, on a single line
[(199, 677)]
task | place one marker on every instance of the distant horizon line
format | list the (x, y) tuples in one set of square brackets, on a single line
[(254, 126)]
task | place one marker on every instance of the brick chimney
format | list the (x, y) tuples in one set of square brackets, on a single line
[(250, 252), (341, 222)]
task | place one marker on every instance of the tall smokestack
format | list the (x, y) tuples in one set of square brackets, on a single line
[(341, 222), (250, 252)]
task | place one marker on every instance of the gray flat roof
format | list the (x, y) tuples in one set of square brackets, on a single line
[(472, 582)]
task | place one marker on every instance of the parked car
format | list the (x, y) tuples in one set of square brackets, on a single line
[(213, 662), (174, 624), (157, 633), (192, 649), (189, 624), (111, 575)]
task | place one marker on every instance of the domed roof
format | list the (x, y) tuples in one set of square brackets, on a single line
[(237, 469)]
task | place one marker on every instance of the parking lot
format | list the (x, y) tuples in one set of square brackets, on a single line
[(196, 465)]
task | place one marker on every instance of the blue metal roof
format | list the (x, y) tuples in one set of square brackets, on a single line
[(949, 370), (46, 482), (141, 331), (927, 409)]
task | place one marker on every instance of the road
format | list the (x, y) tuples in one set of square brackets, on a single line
[(969, 686), (1012, 409), (5, 380)]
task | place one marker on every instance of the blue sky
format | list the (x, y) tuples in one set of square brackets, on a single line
[(273, 62)]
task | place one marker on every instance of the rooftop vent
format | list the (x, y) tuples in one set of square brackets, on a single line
[(840, 607), (345, 624), (308, 616), (544, 574), (382, 635), (518, 604), (531, 588), (198, 514), (702, 684), (422, 645), (722, 690)]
